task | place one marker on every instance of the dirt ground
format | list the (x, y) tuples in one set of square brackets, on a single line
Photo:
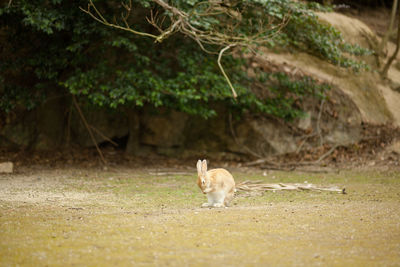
[(152, 216)]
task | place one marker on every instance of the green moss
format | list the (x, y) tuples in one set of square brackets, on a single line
[(132, 218)]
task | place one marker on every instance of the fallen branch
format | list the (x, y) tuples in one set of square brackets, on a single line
[(258, 186), (308, 169), (330, 151), (290, 165), (260, 161)]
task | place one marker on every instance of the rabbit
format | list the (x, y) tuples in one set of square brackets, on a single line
[(218, 184)]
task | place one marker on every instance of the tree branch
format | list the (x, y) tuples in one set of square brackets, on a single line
[(180, 21), (88, 129), (222, 69), (102, 20), (385, 38), (394, 55)]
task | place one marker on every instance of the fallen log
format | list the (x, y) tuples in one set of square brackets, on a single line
[(258, 186)]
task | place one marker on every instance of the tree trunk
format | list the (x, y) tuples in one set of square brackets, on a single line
[(394, 55), (385, 38)]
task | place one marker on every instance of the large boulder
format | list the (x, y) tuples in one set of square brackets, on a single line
[(19, 131), (263, 137), (104, 123), (340, 122), (50, 124), (353, 30), (204, 135), (162, 128)]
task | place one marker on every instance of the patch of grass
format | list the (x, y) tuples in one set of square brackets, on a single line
[(133, 218)]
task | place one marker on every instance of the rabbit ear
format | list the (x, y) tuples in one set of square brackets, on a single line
[(198, 167), (204, 166)]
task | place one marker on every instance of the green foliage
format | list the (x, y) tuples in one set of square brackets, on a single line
[(305, 32), (52, 48)]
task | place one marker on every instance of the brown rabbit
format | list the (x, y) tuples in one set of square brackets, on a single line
[(218, 184)]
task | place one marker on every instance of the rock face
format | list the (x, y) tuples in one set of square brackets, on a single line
[(341, 121), (20, 131), (358, 33), (174, 133), (105, 124), (395, 147), (373, 98), (355, 99), (163, 128), (262, 137)]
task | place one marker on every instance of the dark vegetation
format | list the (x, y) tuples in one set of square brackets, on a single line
[(51, 49)]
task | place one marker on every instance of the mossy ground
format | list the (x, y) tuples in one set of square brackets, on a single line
[(130, 217)]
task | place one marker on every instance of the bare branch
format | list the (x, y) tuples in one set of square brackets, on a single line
[(184, 23), (222, 69), (102, 20), (89, 130), (386, 68), (385, 38)]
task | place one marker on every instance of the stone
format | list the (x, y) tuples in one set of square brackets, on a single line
[(20, 131), (264, 137), (304, 122), (6, 167), (345, 128), (163, 128)]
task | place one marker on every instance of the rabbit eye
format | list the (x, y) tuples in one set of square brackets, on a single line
[(203, 182)]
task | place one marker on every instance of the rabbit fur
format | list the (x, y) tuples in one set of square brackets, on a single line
[(218, 184)]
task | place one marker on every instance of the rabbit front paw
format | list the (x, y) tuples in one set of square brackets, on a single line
[(206, 205), (218, 205), (207, 190)]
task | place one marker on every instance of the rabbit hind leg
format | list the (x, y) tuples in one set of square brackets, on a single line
[(229, 197)]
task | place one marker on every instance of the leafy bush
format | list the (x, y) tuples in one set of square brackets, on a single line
[(54, 49)]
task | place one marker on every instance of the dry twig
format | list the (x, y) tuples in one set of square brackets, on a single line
[(321, 141)]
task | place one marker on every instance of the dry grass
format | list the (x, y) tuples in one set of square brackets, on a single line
[(129, 217)]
